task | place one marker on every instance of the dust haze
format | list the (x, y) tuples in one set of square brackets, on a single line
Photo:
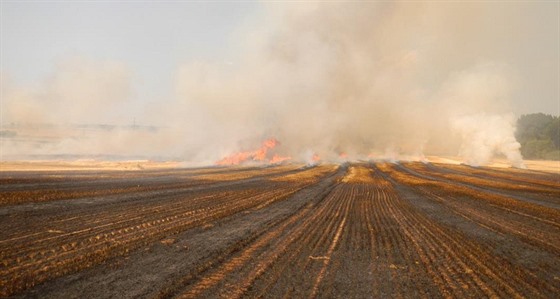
[(328, 81)]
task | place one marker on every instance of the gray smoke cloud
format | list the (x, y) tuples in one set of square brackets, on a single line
[(366, 80)]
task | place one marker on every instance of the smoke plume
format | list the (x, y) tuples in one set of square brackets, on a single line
[(330, 81), (485, 136)]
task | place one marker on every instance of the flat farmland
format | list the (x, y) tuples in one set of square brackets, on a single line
[(355, 230)]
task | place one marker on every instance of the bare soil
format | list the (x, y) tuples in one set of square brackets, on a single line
[(351, 231)]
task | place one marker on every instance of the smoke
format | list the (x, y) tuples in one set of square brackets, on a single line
[(73, 112), (356, 79), (79, 91), (328, 80), (485, 136)]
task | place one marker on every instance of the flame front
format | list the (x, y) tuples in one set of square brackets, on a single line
[(259, 155), (279, 159)]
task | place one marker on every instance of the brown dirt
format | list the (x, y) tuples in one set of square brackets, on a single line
[(359, 230)]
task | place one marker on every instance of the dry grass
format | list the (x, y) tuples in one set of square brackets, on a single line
[(84, 165), (539, 165)]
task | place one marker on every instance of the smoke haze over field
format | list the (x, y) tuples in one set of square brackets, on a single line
[(340, 81)]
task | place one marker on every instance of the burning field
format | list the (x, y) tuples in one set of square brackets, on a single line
[(279, 149), (363, 229)]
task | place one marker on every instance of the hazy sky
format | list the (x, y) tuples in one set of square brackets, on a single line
[(151, 38), (382, 77), (154, 38)]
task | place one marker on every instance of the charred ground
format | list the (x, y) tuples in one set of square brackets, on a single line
[(352, 230)]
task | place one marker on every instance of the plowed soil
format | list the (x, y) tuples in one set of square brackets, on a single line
[(356, 230)]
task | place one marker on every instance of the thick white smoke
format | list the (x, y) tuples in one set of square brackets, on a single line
[(485, 136), (339, 81), (354, 79)]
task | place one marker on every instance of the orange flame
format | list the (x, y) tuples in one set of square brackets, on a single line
[(315, 158), (234, 159), (258, 155), (279, 159)]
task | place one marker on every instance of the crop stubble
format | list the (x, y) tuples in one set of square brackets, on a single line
[(357, 230)]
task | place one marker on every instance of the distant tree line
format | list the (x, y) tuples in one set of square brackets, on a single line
[(539, 135)]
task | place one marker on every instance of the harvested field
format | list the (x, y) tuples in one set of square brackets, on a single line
[(351, 231)]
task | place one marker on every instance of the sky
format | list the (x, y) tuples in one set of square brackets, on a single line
[(151, 38), (154, 38), (381, 78)]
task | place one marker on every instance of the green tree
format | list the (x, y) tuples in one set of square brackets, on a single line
[(532, 126), (539, 136), (553, 132), (536, 149)]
